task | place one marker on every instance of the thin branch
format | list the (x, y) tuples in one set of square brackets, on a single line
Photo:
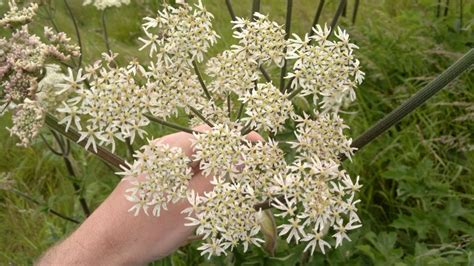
[(339, 11), (438, 9), (198, 114), (130, 149), (50, 17), (416, 100), (446, 8), (52, 211), (201, 80), (49, 146), (316, 17), (229, 105), (255, 8), (294, 93), (73, 135), (76, 28), (289, 10), (241, 111), (171, 125), (105, 33), (354, 12)]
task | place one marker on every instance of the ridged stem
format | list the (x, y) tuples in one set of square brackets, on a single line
[(73, 135)]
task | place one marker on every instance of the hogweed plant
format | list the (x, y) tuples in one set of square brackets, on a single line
[(105, 103)]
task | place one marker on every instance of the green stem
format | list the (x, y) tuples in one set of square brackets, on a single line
[(456, 69), (171, 125), (198, 114), (201, 80), (255, 8), (229, 105), (52, 211), (339, 11), (76, 28), (294, 93), (105, 32), (73, 135), (289, 10), (130, 149), (354, 12)]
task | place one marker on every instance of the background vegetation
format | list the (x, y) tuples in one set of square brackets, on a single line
[(417, 201)]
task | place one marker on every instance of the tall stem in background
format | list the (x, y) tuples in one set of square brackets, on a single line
[(76, 29), (446, 8), (52, 211), (289, 11), (354, 12), (339, 11), (105, 33), (64, 146)]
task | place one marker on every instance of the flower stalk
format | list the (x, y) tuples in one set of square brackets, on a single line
[(74, 136)]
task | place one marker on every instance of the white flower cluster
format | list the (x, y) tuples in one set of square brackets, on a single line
[(16, 16), (318, 196), (103, 4), (225, 217), (326, 69), (261, 40), (112, 108), (322, 137), (267, 108), (313, 195), (231, 72), (219, 151), (27, 121), (50, 88), (183, 33), (212, 112), (171, 86), (159, 175)]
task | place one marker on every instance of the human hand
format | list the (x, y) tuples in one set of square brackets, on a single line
[(113, 236)]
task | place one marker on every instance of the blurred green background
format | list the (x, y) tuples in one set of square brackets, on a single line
[(417, 201)]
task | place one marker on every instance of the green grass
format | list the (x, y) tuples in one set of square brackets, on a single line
[(417, 201)]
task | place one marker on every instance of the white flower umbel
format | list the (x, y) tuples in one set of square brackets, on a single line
[(327, 69), (112, 108), (103, 4), (171, 86), (219, 151), (266, 108), (322, 138), (261, 40), (262, 163), (159, 175), (183, 33), (50, 90), (319, 197), (27, 121), (231, 72), (225, 217), (212, 112)]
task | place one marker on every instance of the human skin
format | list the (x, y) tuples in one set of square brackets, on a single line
[(114, 236)]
